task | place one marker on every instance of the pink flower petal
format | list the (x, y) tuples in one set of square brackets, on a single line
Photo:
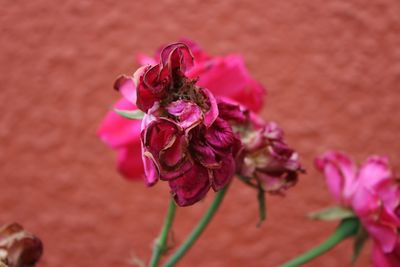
[(126, 86), (384, 236), (117, 131), (373, 172), (188, 113), (228, 76), (381, 259), (340, 173)]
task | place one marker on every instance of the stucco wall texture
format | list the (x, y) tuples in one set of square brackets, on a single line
[(332, 69)]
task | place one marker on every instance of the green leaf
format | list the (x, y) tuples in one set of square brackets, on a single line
[(359, 241), (130, 114), (332, 213), (262, 210)]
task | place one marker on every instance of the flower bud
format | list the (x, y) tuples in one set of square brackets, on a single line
[(18, 248)]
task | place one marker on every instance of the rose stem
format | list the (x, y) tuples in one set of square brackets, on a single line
[(197, 230), (346, 228), (160, 244)]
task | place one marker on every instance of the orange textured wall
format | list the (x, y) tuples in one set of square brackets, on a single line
[(332, 69)]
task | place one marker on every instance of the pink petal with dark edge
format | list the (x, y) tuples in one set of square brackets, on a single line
[(189, 114), (151, 170), (211, 115)]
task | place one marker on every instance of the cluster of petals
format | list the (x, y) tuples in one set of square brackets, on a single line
[(223, 76), (183, 139), (265, 159), (373, 193)]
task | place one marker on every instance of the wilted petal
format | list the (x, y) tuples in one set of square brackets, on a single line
[(177, 55), (191, 187), (151, 170), (198, 53), (223, 175), (175, 160), (277, 184), (340, 174), (188, 114), (232, 111), (205, 154), (212, 113), (159, 135), (19, 248), (220, 134)]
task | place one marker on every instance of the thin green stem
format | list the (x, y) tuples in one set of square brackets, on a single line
[(347, 228), (197, 230), (160, 244)]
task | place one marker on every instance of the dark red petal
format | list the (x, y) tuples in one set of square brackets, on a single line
[(223, 175), (205, 154), (197, 52), (177, 55), (159, 135), (191, 187), (220, 134), (231, 111)]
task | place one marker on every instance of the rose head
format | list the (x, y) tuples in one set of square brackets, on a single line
[(183, 140), (192, 159), (167, 78), (264, 155), (18, 248), (373, 192)]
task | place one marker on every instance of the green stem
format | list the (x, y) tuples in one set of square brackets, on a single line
[(160, 244), (346, 228), (197, 230)]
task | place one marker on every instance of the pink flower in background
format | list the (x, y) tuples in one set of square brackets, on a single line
[(223, 76), (373, 192)]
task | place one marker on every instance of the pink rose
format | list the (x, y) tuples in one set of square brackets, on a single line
[(373, 193), (223, 76)]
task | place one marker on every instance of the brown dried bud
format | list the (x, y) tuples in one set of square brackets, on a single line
[(18, 248)]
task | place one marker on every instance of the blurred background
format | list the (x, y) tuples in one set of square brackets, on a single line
[(332, 70)]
